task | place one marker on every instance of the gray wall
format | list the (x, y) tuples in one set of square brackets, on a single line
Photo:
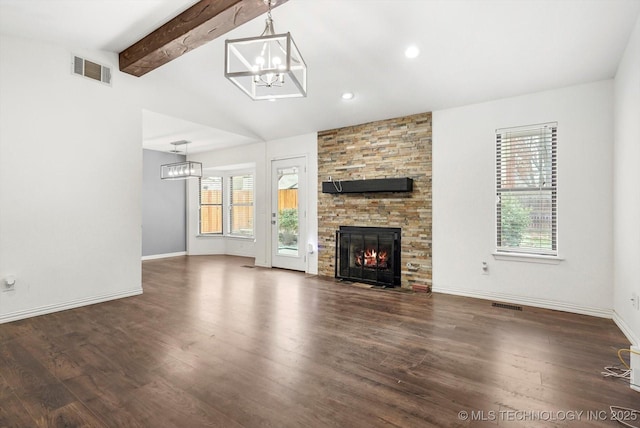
[(163, 207)]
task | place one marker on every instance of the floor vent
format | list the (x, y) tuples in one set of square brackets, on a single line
[(92, 70), (506, 306), (248, 267)]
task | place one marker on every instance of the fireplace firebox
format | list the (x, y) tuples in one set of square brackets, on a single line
[(368, 254)]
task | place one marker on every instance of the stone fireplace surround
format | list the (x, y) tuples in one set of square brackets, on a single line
[(391, 148)]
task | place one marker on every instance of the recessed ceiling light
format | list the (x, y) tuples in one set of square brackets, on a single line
[(412, 52), (347, 96), (273, 100)]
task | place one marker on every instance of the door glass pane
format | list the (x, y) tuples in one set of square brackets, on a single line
[(288, 211)]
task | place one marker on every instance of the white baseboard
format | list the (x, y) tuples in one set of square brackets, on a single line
[(47, 309), (239, 254), (635, 340), (529, 301), (164, 256)]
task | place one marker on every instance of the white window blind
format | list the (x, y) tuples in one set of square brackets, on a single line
[(526, 189), (241, 205), (210, 205)]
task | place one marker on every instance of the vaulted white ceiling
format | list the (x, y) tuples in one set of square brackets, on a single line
[(470, 51)]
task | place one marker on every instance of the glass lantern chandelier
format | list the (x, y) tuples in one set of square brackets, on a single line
[(266, 67), (180, 170)]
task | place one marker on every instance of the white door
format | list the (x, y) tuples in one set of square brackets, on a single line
[(288, 214)]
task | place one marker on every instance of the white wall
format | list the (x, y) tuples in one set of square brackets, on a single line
[(71, 176), (626, 178), (70, 181), (464, 201), (261, 154)]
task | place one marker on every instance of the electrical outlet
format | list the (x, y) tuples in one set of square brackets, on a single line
[(9, 282), (485, 268)]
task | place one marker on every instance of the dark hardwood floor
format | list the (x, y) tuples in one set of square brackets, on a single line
[(212, 342)]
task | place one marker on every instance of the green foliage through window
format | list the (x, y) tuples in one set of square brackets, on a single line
[(514, 221)]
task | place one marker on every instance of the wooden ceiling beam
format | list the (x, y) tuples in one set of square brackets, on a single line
[(201, 23)]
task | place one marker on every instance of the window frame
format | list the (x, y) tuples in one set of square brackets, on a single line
[(221, 205), (505, 138), (229, 203)]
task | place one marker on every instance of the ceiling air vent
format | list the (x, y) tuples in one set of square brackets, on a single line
[(92, 70)]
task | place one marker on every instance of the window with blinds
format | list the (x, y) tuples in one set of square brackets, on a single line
[(210, 205), (241, 205), (526, 189)]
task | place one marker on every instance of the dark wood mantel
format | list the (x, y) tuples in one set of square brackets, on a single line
[(404, 184)]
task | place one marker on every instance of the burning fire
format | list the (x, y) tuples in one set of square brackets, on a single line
[(372, 259)]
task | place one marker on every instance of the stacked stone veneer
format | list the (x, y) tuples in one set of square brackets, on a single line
[(391, 148)]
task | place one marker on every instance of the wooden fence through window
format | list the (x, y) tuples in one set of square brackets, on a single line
[(211, 215)]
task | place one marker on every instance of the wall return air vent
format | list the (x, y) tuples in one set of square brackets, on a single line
[(90, 69)]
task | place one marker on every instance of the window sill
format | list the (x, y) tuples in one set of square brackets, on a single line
[(219, 235), (528, 258), (241, 237)]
